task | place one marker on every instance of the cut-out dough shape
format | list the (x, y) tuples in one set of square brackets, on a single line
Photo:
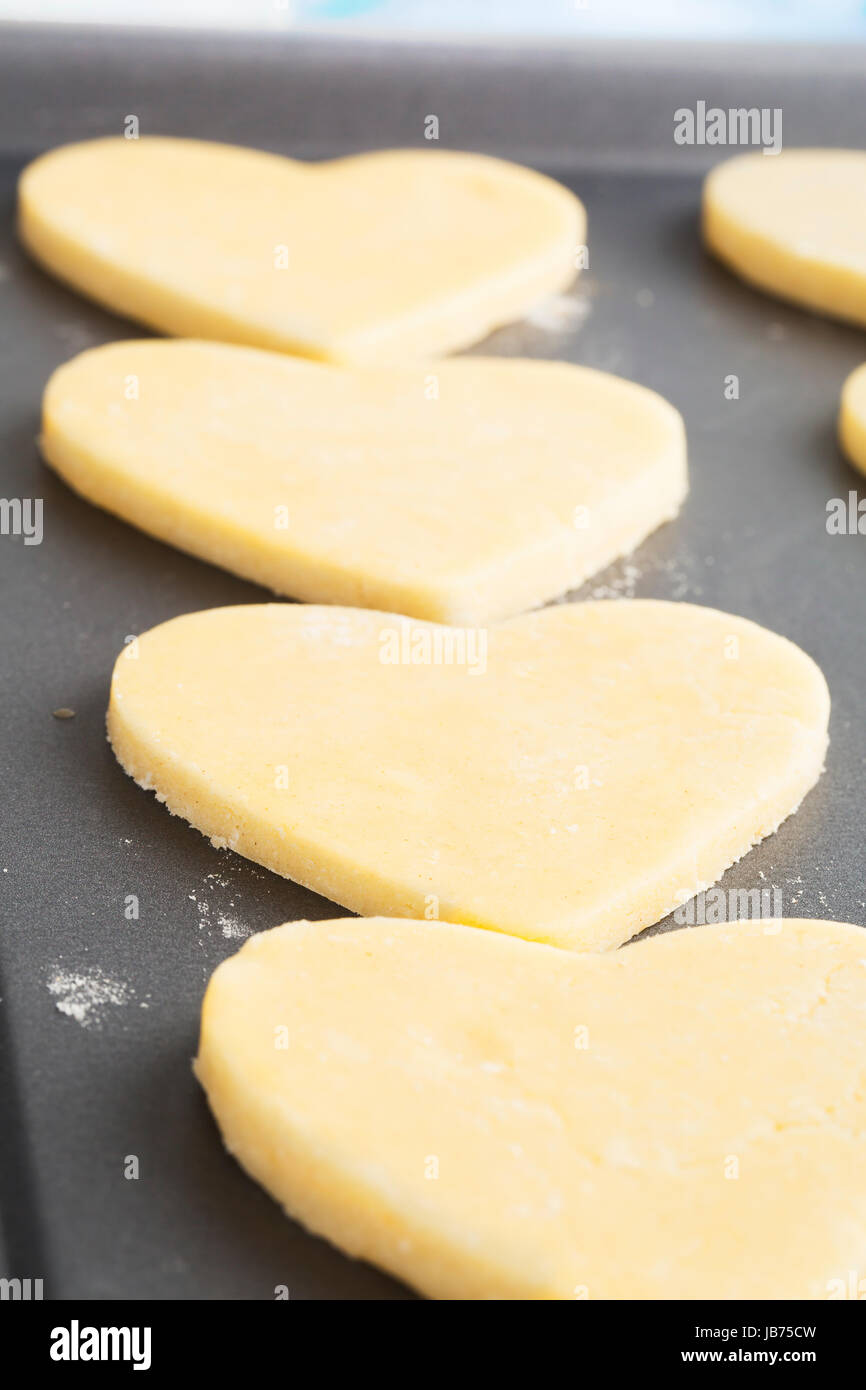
[(489, 1118), (512, 484), (380, 257), (852, 418), (570, 776), (792, 224)]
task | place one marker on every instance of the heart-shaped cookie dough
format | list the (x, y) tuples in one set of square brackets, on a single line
[(490, 1118), (376, 258), (462, 496), (569, 776), (792, 223)]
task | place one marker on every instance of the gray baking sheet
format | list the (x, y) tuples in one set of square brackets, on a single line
[(99, 1014)]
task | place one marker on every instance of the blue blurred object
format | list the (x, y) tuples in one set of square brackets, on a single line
[(778, 20)]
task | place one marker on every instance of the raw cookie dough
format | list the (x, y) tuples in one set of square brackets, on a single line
[(793, 224), (463, 495), (380, 257), (852, 418), (570, 776), (488, 1118)]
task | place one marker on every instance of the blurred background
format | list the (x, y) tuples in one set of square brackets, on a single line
[(765, 20)]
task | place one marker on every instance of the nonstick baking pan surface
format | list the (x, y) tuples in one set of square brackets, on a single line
[(99, 1013)]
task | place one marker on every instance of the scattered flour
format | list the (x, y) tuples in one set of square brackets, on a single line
[(559, 313), (232, 928), (623, 578), (85, 995), (621, 585)]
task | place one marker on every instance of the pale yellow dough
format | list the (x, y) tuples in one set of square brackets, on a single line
[(594, 766), (381, 257), (488, 1118), (793, 224), (461, 496), (852, 418)]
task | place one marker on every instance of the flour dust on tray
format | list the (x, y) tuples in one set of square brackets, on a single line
[(86, 995)]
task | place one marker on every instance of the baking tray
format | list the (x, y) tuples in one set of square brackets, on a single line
[(107, 1074)]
